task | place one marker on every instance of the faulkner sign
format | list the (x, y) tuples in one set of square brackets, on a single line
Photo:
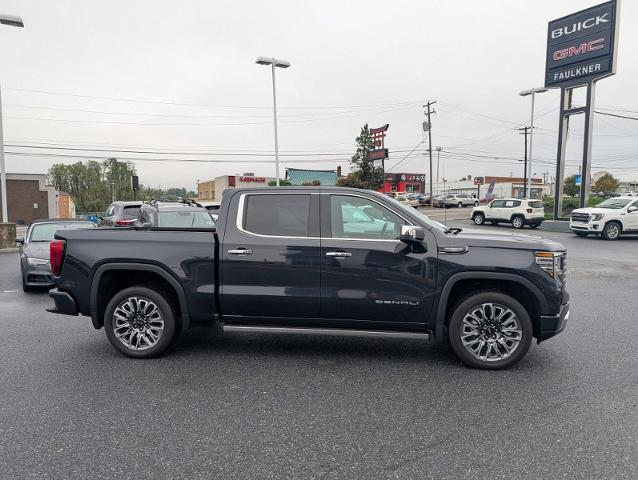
[(582, 47)]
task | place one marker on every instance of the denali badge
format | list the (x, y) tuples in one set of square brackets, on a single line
[(396, 302)]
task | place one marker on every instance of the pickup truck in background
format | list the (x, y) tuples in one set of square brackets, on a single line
[(316, 260)]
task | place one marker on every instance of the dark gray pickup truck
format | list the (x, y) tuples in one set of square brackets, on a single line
[(326, 261)]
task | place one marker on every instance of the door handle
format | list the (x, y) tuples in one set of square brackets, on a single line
[(338, 254), (240, 251)]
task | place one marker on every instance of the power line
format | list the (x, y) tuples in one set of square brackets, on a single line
[(164, 102), (615, 115)]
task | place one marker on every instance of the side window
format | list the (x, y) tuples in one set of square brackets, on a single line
[(497, 204), (356, 217), (277, 215), (110, 211), (635, 204), (512, 203)]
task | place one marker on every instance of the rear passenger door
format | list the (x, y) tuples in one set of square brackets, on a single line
[(270, 252)]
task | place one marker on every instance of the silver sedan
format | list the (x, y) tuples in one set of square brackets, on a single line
[(34, 250)]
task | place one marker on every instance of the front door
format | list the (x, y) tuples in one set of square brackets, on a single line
[(368, 275), (270, 269), (631, 220), (495, 210)]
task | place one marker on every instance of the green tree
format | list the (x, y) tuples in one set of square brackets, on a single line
[(364, 174), (569, 186), (606, 183)]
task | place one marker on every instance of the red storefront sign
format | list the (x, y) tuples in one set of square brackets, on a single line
[(253, 179)]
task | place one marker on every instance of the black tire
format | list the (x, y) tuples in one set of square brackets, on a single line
[(478, 218), (167, 336), (518, 221), (581, 234), (611, 231), (501, 300), (460, 205)]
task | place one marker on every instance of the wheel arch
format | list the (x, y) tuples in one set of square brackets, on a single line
[(461, 284), (130, 274)]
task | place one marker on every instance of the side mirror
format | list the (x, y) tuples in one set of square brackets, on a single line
[(20, 240), (631, 209), (411, 234)]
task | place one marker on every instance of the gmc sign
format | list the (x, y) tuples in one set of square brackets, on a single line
[(581, 47)]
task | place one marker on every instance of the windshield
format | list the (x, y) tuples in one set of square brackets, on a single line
[(614, 203), (43, 232), (427, 220), (188, 219)]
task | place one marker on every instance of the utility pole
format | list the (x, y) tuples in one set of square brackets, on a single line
[(438, 161), (525, 131), (429, 112)]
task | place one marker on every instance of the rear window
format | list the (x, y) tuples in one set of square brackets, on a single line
[(278, 215), (132, 211), (188, 219), (535, 204)]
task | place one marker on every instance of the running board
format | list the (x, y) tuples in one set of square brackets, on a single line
[(341, 332)]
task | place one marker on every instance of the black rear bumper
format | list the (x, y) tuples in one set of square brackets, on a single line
[(64, 303), (553, 324)]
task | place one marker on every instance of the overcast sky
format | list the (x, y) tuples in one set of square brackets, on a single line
[(164, 76)]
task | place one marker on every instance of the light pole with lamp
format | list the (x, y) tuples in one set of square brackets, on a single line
[(533, 93), (12, 21), (273, 62)]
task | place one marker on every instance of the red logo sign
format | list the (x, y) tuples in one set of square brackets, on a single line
[(479, 181), (253, 179)]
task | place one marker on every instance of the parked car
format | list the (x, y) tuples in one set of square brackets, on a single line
[(408, 200), (328, 261), (609, 219), (424, 199), (213, 208), (185, 214), (456, 200), (518, 212), (120, 214), (34, 250)]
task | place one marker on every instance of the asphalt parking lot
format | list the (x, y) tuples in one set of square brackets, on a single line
[(250, 406)]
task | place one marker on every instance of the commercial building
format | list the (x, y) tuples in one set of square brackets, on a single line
[(496, 187), (29, 197), (66, 205), (212, 190), (404, 182)]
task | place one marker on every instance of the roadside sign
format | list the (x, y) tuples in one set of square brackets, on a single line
[(579, 180), (479, 181), (581, 47)]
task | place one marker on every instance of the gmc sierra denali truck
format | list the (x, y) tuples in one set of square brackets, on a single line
[(316, 261)]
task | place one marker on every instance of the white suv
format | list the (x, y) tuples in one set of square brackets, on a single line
[(609, 219), (517, 211)]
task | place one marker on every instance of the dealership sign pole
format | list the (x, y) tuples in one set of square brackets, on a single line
[(380, 154), (581, 49)]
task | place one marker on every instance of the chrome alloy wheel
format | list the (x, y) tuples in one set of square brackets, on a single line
[(613, 231), (138, 323), (491, 332)]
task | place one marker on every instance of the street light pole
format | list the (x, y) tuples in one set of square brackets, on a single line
[(533, 93), (11, 21), (273, 62)]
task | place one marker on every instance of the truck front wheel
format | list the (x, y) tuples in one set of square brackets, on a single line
[(490, 330), (139, 322)]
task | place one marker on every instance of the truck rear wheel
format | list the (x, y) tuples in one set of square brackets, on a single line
[(139, 322), (490, 330)]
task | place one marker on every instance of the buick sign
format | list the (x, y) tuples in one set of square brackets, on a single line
[(582, 47)]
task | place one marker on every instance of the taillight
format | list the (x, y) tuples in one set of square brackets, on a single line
[(56, 255), (124, 222), (529, 210)]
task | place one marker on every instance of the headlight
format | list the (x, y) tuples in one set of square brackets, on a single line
[(37, 262), (596, 216), (552, 262)]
